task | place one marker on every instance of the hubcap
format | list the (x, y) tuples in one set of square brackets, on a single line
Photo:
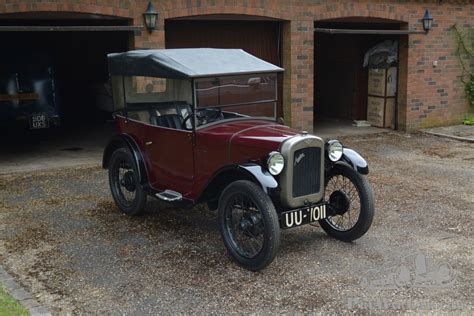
[(128, 181), (125, 184), (339, 202), (250, 225)]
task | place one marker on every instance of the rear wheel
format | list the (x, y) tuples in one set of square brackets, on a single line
[(124, 184), (351, 204), (249, 225)]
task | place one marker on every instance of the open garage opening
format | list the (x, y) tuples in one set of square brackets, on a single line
[(54, 83), (343, 91)]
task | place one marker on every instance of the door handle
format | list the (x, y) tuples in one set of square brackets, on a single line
[(148, 143)]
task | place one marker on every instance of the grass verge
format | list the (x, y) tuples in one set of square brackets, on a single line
[(8, 305), (469, 120)]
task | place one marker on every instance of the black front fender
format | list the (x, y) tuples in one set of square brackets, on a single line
[(355, 160), (263, 177), (225, 176)]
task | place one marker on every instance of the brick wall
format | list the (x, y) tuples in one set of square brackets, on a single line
[(428, 95)]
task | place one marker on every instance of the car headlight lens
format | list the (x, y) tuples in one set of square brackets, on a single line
[(275, 163), (334, 150)]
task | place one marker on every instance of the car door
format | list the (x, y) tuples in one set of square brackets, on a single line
[(169, 155)]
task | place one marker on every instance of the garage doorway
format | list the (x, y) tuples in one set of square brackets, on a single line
[(72, 49), (258, 36), (78, 58), (340, 80)]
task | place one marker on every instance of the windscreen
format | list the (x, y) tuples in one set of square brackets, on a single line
[(239, 96)]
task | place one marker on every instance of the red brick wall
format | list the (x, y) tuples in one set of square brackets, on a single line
[(428, 96)]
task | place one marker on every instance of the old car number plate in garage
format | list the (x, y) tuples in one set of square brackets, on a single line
[(303, 216), (39, 121)]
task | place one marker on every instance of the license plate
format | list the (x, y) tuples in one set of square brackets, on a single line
[(39, 121), (303, 216)]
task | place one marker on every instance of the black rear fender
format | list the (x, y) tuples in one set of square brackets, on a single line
[(126, 141)]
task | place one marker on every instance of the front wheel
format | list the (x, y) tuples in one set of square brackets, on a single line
[(249, 225), (351, 204)]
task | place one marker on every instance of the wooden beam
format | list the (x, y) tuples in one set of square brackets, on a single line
[(356, 31), (85, 28)]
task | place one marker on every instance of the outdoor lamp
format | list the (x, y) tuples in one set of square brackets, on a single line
[(150, 16), (427, 21)]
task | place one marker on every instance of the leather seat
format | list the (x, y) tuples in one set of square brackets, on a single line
[(170, 121)]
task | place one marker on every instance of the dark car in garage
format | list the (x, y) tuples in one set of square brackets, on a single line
[(28, 94)]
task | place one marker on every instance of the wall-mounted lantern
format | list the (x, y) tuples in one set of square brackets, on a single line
[(427, 21), (151, 17)]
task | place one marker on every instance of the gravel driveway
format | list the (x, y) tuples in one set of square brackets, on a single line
[(62, 238)]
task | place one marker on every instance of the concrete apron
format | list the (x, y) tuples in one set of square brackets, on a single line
[(64, 149), (459, 132), (332, 129)]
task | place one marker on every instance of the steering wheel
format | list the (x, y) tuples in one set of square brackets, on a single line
[(204, 116)]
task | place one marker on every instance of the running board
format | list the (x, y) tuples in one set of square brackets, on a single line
[(169, 196)]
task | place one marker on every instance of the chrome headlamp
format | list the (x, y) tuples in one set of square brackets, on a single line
[(275, 163), (334, 150)]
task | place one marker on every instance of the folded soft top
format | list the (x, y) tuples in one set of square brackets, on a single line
[(187, 63)]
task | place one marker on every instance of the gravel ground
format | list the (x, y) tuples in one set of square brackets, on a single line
[(62, 237)]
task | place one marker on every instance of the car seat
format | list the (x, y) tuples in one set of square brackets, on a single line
[(174, 121)]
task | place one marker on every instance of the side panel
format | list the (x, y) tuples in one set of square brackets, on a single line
[(170, 153), (167, 153), (210, 155)]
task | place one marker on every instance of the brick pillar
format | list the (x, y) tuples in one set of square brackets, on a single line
[(402, 102), (301, 76), (286, 53)]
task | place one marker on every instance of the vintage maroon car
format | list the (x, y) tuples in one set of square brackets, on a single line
[(200, 126)]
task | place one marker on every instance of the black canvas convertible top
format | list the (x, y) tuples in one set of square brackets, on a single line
[(187, 63)]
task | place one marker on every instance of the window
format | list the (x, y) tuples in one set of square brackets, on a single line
[(143, 91), (249, 95)]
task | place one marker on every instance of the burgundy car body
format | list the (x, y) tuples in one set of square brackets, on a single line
[(198, 156), (200, 125)]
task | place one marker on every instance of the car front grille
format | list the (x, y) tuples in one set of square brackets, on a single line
[(306, 171), (302, 180)]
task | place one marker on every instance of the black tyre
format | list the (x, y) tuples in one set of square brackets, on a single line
[(124, 184), (249, 225), (351, 200)]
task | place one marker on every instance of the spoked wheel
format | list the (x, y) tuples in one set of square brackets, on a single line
[(249, 225), (124, 185), (351, 204)]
